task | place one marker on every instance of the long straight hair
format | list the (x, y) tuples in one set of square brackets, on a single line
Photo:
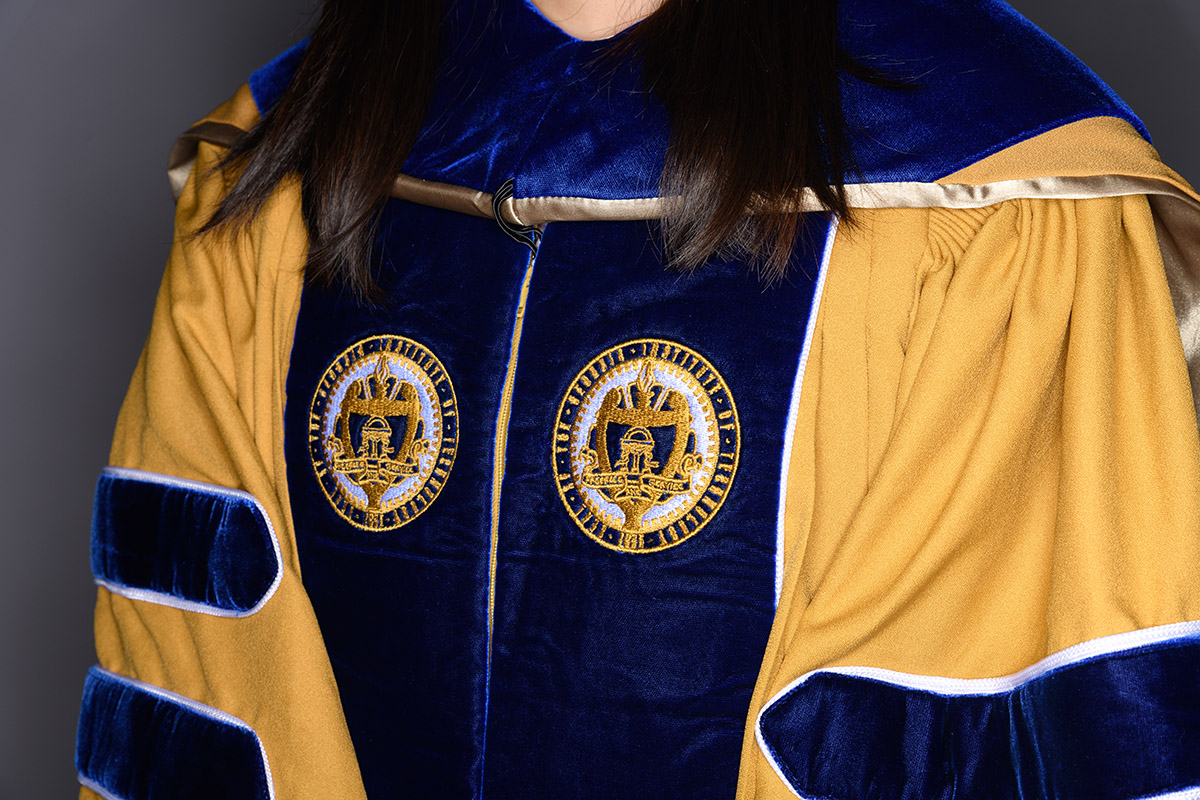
[(755, 109)]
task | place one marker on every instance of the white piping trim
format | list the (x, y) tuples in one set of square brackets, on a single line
[(958, 687), (98, 789), (1183, 794), (163, 599), (794, 409), (194, 705)]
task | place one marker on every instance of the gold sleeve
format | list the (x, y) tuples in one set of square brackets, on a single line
[(996, 456), (206, 404)]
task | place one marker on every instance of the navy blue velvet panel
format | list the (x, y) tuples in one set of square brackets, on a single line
[(404, 612), (985, 79), (268, 82), (629, 675), (138, 745), (210, 547), (519, 98), (502, 73), (523, 100), (1115, 727)]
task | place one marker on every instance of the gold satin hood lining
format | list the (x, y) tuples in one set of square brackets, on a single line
[(1178, 228), (1176, 211), (182, 159), (543, 210), (1176, 215)]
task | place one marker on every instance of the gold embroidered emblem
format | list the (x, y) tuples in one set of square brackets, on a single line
[(646, 444), (383, 431)]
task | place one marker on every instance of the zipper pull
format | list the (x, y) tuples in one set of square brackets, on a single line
[(528, 235)]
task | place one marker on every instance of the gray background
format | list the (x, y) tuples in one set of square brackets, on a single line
[(91, 95)]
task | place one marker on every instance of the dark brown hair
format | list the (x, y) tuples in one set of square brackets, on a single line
[(754, 106)]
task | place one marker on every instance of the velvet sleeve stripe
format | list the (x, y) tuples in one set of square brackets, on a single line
[(188, 545), (138, 742), (1116, 718)]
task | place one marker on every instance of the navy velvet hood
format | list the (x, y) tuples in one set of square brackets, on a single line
[(521, 99)]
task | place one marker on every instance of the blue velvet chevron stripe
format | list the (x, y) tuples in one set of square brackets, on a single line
[(184, 544), (139, 742), (546, 110), (1113, 719)]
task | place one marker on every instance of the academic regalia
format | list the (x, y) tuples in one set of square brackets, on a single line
[(555, 521)]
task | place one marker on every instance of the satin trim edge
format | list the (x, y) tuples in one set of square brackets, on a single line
[(543, 210), (182, 159)]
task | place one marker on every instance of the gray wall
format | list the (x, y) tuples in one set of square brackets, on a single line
[(91, 95), (1146, 50)]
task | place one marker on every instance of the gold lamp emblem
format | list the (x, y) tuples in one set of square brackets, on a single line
[(646, 446), (377, 464), (383, 432), (638, 481)]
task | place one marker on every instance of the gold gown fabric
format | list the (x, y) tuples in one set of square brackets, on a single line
[(995, 457)]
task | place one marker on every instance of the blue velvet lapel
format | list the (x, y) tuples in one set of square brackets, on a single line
[(404, 611), (521, 99), (268, 82), (985, 78), (590, 644), (601, 663), (630, 673)]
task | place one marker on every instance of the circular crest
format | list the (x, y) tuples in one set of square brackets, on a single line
[(645, 445), (383, 431)]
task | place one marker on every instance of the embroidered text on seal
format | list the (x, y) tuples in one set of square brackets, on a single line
[(383, 431), (645, 445)]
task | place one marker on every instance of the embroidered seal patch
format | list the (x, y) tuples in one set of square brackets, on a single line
[(645, 445), (382, 432)]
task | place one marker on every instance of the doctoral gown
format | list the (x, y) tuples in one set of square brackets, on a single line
[(922, 520)]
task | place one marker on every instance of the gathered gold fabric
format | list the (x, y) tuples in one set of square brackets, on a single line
[(206, 403), (996, 456)]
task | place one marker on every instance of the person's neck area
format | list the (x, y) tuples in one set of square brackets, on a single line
[(596, 19)]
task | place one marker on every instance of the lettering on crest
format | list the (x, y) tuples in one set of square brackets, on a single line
[(645, 445), (383, 432)]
